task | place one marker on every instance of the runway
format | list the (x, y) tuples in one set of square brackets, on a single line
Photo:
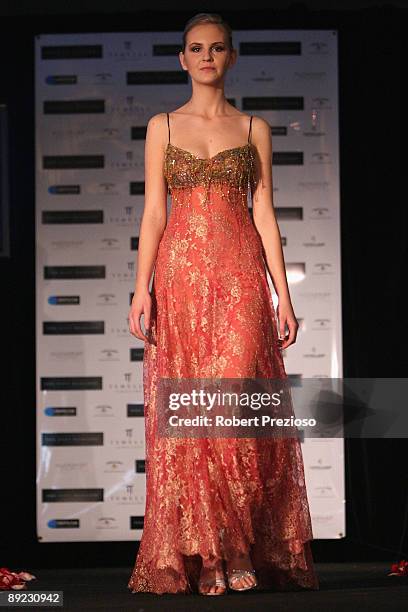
[(343, 586)]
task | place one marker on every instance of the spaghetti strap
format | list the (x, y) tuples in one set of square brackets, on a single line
[(168, 123), (250, 129)]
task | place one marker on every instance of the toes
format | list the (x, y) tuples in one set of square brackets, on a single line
[(244, 582)]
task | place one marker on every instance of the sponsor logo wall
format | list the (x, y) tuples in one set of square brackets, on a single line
[(94, 96)]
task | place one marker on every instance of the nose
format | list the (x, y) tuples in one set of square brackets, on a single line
[(207, 56)]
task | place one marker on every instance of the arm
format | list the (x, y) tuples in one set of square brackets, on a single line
[(152, 224), (267, 227)]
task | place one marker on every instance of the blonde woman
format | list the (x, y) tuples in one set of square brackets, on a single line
[(233, 505)]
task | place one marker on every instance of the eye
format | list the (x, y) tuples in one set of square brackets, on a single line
[(218, 48)]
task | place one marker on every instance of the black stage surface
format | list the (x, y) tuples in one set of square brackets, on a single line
[(343, 586)]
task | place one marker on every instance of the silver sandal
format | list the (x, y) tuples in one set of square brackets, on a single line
[(210, 582), (237, 574)]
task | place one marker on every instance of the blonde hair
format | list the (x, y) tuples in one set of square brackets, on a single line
[(207, 18)]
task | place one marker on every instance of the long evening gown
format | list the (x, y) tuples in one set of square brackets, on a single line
[(213, 316)]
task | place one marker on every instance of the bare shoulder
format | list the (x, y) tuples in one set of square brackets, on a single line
[(157, 132), (261, 136), (260, 127), (157, 123)]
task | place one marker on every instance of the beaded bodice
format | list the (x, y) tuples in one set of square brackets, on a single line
[(230, 172), (231, 166)]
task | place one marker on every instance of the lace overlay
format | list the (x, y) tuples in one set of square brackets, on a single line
[(213, 315)]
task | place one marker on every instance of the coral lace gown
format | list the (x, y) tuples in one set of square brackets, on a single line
[(213, 315)]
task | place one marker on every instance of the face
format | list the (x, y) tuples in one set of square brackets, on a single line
[(207, 55)]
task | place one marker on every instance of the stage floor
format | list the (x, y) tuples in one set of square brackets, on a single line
[(343, 586)]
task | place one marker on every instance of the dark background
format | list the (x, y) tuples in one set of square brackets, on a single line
[(373, 172)]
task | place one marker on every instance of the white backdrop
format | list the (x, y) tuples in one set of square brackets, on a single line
[(94, 95)]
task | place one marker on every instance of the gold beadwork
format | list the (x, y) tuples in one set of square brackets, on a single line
[(230, 171)]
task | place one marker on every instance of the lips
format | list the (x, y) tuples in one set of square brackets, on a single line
[(208, 68)]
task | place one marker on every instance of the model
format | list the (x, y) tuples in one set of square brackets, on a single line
[(215, 505)]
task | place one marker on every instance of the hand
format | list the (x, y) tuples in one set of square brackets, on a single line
[(141, 304), (287, 318)]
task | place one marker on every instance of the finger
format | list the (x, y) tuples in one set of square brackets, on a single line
[(146, 318), (282, 329), (135, 330), (130, 324), (132, 329), (292, 336), (288, 341), (138, 330)]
